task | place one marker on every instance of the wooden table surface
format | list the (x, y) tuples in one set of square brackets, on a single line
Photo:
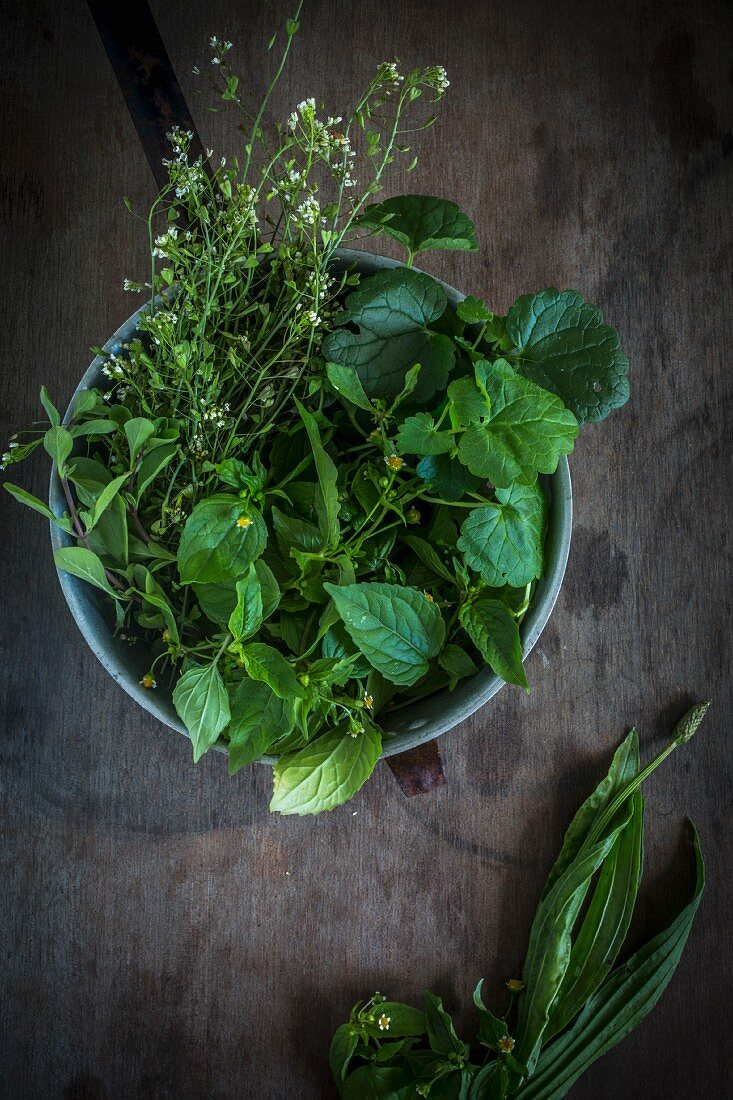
[(162, 934)]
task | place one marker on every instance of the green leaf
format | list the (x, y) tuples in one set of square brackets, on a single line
[(155, 596), (51, 411), (526, 429), (343, 1045), (58, 443), (105, 498), (624, 767), (562, 344), (421, 223), (247, 615), (419, 436), (548, 954), (24, 497), (265, 663), (217, 543), (84, 564), (326, 772), (138, 431), (202, 704), (491, 1083), (258, 717), (391, 311), (605, 924), (293, 533), (494, 631), (441, 1033), (473, 311), (153, 463), (625, 998), (429, 556), (327, 501), (94, 427), (379, 1083), (241, 476), (503, 541), (404, 1020), (347, 384), (446, 476), (457, 663), (469, 404), (397, 629), (110, 538)]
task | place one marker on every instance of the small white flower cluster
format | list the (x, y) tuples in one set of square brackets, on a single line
[(198, 445), (114, 367), (306, 110), (130, 284), (119, 393), (388, 73), (165, 242), (215, 414), (437, 78), (308, 212), (220, 49), (8, 458), (183, 175)]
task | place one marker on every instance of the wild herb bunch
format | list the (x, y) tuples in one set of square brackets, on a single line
[(573, 1002), (313, 496)]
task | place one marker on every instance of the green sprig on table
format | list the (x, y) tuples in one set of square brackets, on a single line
[(573, 1003)]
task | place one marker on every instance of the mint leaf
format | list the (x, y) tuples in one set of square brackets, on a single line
[(421, 223), (399, 630), (201, 703), (221, 539), (526, 429), (562, 344), (391, 311), (247, 615), (326, 772), (457, 663), (494, 631), (258, 717), (503, 541), (419, 436)]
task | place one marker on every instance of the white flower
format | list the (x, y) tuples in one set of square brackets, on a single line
[(309, 210), (129, 284)]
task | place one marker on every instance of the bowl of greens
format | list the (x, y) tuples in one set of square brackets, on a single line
[(310, 505)]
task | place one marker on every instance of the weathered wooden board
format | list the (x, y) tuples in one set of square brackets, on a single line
[(161, 934)]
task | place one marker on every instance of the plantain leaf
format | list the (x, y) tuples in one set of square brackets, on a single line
[(627, 995)]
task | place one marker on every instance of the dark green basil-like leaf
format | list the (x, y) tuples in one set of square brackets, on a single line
[(344, 1043), (422, 223), (379, 1083), (494, 631), (258, 717), (441, 1033), (221, 539), (347, 384), (397, 629), (392, 311), (503, 541), (247, 615), (563, 345), (325, 772), (263, 662), (202, 704)]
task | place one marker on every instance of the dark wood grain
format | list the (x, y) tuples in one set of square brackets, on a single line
[(162, 935)]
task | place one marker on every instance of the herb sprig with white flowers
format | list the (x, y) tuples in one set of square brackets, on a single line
[(311, 496), (572, 1004)]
